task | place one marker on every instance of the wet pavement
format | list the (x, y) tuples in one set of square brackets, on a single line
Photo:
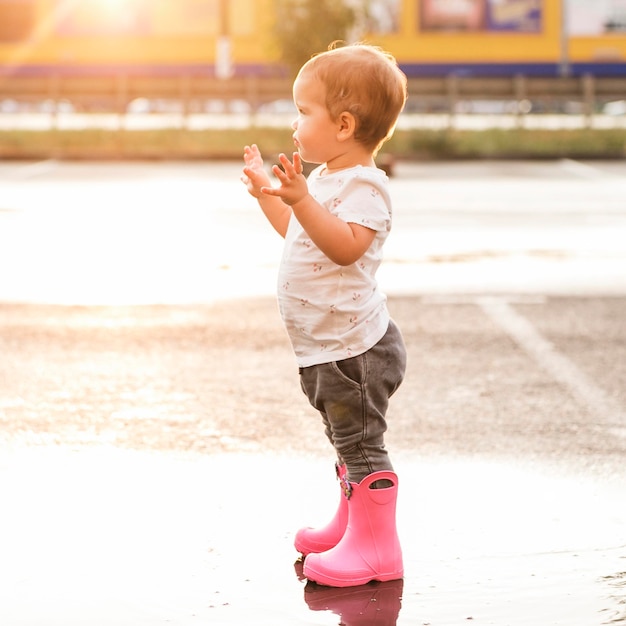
[(157, 456), (110, 536)]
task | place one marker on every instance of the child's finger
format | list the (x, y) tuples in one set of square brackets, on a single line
[(285, 162), (249, 173), (297, 163), (279, 173)]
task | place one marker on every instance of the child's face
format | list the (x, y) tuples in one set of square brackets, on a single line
[(315, 133)]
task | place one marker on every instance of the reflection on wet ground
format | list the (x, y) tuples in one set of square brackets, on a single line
[(105, 536), (377, 603)]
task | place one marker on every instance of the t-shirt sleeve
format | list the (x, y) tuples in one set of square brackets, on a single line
[(364, 201)]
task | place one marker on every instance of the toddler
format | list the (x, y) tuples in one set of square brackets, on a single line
[(350, 353)]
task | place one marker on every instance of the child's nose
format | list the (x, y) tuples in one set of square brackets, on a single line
[(294, 124)]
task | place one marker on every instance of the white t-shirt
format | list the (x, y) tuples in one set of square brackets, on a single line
[(333, 312)]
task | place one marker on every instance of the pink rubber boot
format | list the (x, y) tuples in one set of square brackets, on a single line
[(309, 540), (370, 548)]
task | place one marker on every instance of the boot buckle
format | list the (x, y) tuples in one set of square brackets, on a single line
[(346, 487)]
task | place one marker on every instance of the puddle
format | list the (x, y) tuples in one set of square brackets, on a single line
[(105, 536)]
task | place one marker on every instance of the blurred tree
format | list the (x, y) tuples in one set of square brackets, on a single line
[(304, 27)]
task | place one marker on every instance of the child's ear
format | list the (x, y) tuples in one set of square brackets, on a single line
[(347, 126)]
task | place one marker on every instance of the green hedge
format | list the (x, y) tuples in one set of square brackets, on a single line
[(518, 143), (228, 144)]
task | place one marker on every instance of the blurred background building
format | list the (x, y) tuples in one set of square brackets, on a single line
[(480, 37), (121, 55)]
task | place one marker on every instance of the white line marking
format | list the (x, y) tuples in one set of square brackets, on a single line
[(31, 170), (522, 298), (582, 170), (558, 366)]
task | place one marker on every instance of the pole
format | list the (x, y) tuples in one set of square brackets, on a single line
[(564, 66), (223, 56)]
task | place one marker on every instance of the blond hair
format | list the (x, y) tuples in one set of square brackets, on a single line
[(365, 81)]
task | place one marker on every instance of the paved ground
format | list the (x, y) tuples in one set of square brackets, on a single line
[(511, 378), (158, 456)]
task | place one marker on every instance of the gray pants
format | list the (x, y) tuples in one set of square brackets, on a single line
[(352, 396)]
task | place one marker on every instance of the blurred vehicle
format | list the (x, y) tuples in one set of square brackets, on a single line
[(618, 107), (278, 107)]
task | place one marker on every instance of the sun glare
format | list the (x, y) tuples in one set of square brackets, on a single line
[(111, 3), (106, 6)]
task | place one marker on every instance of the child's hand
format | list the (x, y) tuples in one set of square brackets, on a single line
[(293, 185), (254, 177)]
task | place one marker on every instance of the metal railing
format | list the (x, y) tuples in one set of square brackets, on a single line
[(194, 93)]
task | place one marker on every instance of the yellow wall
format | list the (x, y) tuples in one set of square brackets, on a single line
[(251, 28), (414, 45), (411, 45), (249, 23), (609, 48)]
